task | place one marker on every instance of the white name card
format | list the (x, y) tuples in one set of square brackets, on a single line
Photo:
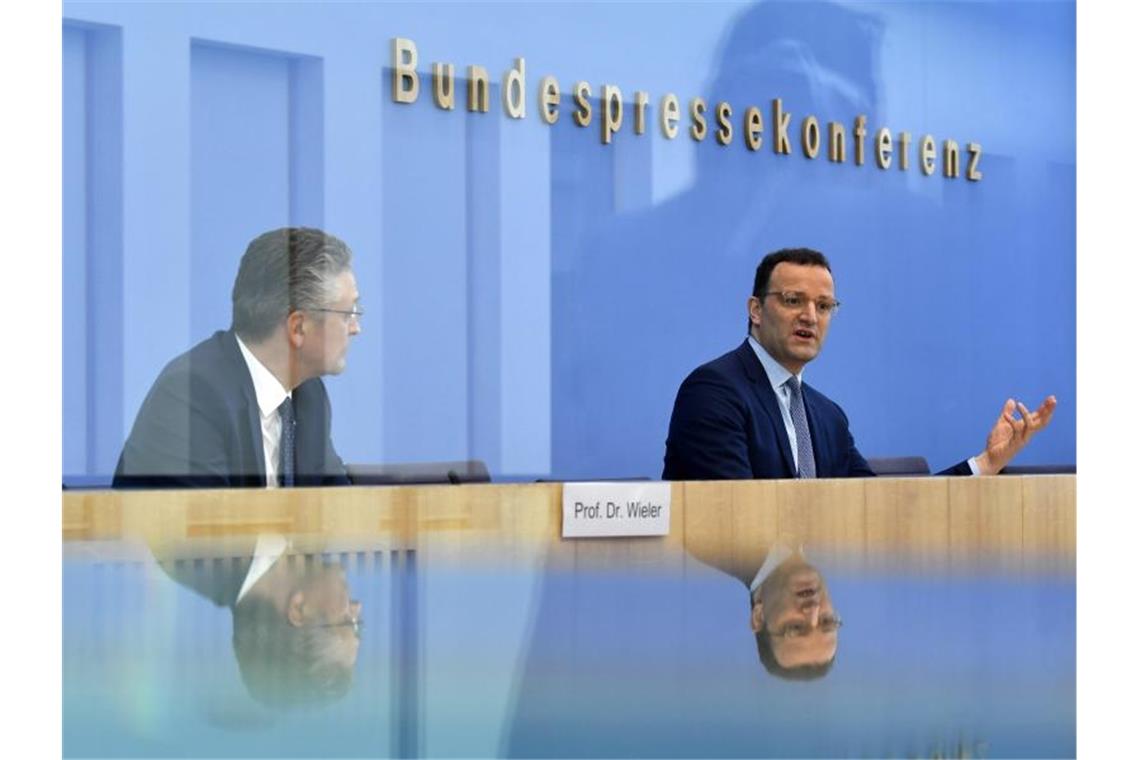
[(615, 509)]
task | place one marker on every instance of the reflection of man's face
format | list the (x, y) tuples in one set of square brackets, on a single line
[(296, 635), (326, 604), (794, 606)]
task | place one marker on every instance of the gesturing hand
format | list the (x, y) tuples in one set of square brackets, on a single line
[(1010, 434)]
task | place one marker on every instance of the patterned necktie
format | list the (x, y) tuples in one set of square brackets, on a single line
[(287, 468), (803, 435)]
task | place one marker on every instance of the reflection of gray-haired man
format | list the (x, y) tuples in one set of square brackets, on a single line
[(295, 629), (796, 626), (247, 407)]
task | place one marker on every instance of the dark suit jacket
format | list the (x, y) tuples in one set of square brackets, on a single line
[(199, 426), (219, 580), (727, 425)]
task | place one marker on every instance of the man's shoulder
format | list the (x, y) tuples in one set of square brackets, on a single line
[(728, 366), (212, 357), (211, 373)]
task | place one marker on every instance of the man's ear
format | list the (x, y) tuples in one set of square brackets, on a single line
[(757, 616), (295, 328), (295, 609), (754, 310)]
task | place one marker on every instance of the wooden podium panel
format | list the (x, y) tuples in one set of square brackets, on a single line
[(932, 521)]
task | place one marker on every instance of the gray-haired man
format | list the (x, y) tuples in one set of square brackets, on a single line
[(246, 407)]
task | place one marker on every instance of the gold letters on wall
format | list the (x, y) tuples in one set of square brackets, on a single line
[(887, 149)]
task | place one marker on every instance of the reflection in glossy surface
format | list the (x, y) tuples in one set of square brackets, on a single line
[(667, 279), (295, 630), (489, 636), (796, 626), (653, 656)]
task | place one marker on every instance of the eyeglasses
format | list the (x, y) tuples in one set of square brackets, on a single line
[(355, 622), (355, 313), (796, 630), (790, 299)]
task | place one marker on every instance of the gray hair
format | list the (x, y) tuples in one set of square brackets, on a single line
[(287, 666), (283, 271)]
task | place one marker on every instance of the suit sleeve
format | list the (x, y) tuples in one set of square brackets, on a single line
[(174, 443), (708, 437), (962, 468)]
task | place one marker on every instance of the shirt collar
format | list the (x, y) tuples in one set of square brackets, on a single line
[(776, 556), (269, 548), (777, 374), (270, 392)]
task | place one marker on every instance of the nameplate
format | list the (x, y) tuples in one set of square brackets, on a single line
[(591, 510)]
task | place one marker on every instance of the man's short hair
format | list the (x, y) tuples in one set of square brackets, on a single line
[(805, 256), (797, 673), (283, 271), (287, 666)]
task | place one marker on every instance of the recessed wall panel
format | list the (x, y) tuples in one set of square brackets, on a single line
[(75, 369), (424, 310), (239, 168), (93, 250), (257, 164)]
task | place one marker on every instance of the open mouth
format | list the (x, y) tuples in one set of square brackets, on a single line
[(804, 334)]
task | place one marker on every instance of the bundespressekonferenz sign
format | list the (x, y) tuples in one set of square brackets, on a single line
[(885, 146)]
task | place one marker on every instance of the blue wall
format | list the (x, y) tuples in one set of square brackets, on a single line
[(534, 298)]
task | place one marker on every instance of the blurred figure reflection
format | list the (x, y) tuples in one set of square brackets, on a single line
[(295, 628), (678, 259), (246, 408)]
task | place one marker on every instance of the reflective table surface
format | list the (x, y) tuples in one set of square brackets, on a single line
[(461, 635)]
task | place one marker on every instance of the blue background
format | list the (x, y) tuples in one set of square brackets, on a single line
[(534, 298)]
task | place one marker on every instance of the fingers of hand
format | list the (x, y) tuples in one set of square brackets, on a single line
[(1026, 424), (1006, 415), (1045, 411)]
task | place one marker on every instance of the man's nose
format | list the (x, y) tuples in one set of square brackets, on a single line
[(354, 609)]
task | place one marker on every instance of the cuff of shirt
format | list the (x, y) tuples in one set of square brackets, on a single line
[(973, 466)]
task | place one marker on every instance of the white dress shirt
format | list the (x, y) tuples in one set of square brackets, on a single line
[(269, 548), (270, 394)]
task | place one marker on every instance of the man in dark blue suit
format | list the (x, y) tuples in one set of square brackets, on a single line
[(247, 407), (748, 414)]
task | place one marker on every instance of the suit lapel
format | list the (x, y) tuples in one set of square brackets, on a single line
[(762, 390), (309, 407), (304, 448), (248, 412)]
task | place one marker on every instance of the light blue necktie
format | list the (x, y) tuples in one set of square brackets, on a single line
[(287, 467), (803, 435)]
